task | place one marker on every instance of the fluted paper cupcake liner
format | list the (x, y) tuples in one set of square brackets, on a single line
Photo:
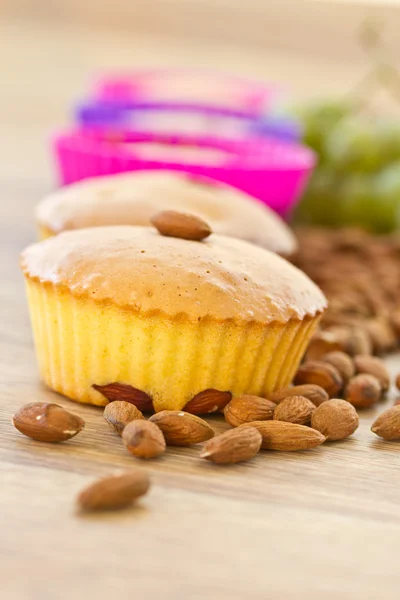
[(80, 343)]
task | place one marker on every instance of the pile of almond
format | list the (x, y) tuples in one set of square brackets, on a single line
[(300, 417), (360, 275)]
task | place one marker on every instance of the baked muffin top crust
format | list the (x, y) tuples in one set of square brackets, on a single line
[(136, 268), (132, 198)]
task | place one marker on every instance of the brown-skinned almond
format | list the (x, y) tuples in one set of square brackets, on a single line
[(246, 408), (114, 492), (322, 374), (289, 437), (387, 425), (181, 225), (295, 409), (181, 428), (119, 413), (381, 334), (208, 401), (47, 422), (336, 419), (144, 439), (342, 362), (233, 446), (323, 342), (363, 390), (372, 365), (315, 393), (123, 391)]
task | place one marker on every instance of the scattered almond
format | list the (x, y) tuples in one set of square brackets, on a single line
[(322, 374), (208, 401), (324, 342), (315, 393), (119, 413), (373, 366), (395, 322), (278, 435), (387, 425), (398, 381), (359, 341), (342, 362), (181, 428), (359, 273), (123, 391), (144, 439), (363, 391), (336, 419), (233, 446), (47, 422), (381, 335), (343, 334), (116, 491), (295, 409), (181, 225), (246, 408)]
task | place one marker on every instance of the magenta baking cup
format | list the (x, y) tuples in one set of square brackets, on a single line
[(273, 171), (186, 89)]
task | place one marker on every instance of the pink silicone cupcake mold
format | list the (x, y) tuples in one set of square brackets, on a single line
[(186, 88), (273, 171)]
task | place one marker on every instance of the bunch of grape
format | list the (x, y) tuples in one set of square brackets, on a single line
[(357, 180)]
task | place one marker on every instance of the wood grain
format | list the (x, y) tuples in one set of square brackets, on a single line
[(317, 524)]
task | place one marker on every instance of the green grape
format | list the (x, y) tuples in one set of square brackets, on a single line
[(388, 133), (372, 201), (358, 200), (318, 119), (362, 145), (386, 215), (320, 204), (353, 146), (357, 181)]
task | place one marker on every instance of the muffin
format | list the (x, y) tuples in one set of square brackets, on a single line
[(126, 307), (132, 198)]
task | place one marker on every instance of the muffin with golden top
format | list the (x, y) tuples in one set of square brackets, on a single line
[(121, 309), (132, 198)]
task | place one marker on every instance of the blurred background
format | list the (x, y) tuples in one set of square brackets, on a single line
[(335, 63), (51, 49)]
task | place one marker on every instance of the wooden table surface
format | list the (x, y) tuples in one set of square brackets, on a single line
[(317, 524)]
